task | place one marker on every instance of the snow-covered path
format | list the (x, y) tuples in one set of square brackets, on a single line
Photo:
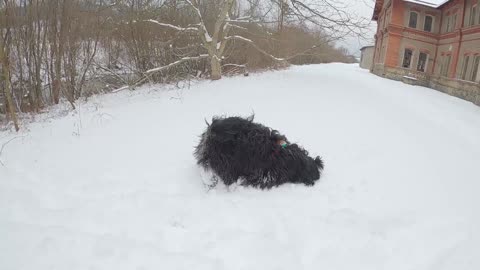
[(115, 186)]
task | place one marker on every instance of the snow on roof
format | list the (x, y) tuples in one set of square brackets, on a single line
[(428, 3), (368, 46)]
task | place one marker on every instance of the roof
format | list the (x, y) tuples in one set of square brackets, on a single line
[(364, 47), (428, 3)]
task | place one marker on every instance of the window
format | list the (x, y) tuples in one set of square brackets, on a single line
[(478, 14), (413, 19), (445, 65), (466, 59), (427, 26), (407, 58), (422, 62), (453, 23), (447, 28), (473, 15), (474, 75)]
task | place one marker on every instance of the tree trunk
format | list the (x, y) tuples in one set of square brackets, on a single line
[(58, 71), (8, 94), (216, 68)]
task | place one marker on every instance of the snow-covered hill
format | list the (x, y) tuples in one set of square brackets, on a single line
[(114, 186)]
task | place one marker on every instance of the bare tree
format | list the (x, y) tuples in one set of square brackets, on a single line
[(67, 49), (335, 22), (5, 61)]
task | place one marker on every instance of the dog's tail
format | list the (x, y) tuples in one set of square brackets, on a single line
[(319, 162)]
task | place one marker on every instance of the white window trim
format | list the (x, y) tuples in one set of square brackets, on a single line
[(465, 68), (476, 14), (454, 21), (447, 67), (426, 62), (433, 23), (440, 63), (409, 16), (411, 59), (476, 77), (447, 23), (477, 19)]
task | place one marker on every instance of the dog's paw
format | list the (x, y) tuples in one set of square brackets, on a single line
[(209, 178), (309, 183)]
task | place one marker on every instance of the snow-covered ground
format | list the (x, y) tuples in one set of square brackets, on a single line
[(115, 186)]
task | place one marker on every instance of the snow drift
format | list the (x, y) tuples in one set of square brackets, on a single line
[(114, 185)]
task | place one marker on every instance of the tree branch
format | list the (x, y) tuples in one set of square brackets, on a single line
[(162, 68), (174, 27), (5, 144), (249, 41), (204, 33), (184, 59)]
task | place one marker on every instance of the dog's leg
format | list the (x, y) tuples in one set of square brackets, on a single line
[(258, 179), (214, 182), (209, 178)]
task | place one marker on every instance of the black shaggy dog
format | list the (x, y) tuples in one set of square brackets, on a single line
[(236, 148)]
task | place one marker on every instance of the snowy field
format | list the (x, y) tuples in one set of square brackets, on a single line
[(114, 185)]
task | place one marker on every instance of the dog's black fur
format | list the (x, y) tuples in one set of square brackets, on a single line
[(237, 148)]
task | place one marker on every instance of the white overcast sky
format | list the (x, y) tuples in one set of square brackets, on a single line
[(362, 8)]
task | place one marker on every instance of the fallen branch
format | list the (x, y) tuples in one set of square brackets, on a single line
[(249, 41), (5, 144), (184, 59), (109, 71), (158, 69), (235, 68)]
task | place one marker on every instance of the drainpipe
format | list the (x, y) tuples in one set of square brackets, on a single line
[(438, 43), (460, 39), (374, 54)]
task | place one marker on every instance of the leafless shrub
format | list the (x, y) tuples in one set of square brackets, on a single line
[(66, 49)]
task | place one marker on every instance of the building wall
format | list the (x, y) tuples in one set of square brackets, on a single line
[(462, 89), (422, 13), (366, 60), (418, 46), (453, 35)]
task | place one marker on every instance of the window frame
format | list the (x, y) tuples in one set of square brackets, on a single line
[(445, 65), (425, 65), (447, 23), (440, 69), (454, 22), (473, 15), (475, 69), (465, 63), (431, 23), (411, 57), (478, 14), (410, 18)]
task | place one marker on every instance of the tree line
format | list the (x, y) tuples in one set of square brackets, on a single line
[(68, 49)]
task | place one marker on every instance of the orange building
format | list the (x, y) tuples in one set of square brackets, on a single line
[(435, 43)]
